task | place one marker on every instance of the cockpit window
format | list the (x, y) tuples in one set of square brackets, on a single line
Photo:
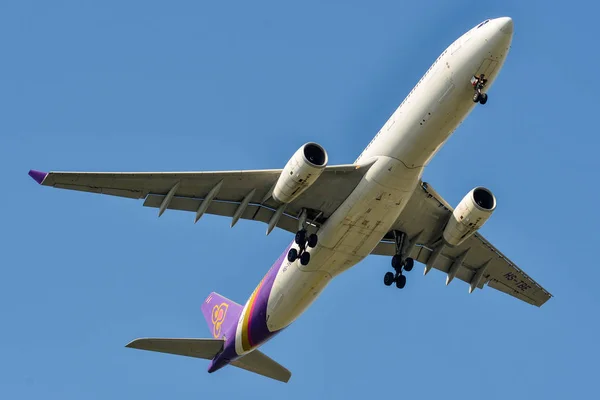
[(483, 23)]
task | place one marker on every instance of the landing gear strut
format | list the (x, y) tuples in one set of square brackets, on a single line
[(303, 240), (478, 83), (399, 263)]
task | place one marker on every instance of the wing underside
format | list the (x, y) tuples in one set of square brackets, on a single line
[(235, 194), (247, 195), (476, 261)]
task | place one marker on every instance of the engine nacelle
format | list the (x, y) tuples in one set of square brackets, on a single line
[(470, 215), (301, 171)]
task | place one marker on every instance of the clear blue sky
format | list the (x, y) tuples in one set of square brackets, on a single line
[(190, 85)]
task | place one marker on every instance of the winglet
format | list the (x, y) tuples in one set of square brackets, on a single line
[(38, 176)]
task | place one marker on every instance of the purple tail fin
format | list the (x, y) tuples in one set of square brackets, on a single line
[(221, 314)]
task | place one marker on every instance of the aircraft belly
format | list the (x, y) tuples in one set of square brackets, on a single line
[(347, 237), (293, 292), (367, 214)]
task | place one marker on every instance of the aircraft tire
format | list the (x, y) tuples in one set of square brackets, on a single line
[(483, 98), (305, 258), (292, 255), (409, 264), (388, 278), (312, 240), (476, 97), (300, 238), (396, 262), (400, 281)]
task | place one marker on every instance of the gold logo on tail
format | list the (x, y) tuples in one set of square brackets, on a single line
[(218, 316)]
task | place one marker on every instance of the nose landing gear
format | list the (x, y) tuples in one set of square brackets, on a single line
[(399, 263), (303, 240), (478, 83)]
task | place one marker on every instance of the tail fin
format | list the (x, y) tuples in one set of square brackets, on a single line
[(221, 314)]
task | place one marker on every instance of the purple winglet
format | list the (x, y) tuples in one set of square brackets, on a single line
[(38, 176)]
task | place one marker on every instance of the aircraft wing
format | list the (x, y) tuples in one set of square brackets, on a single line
[(234, 194), (427, 213)]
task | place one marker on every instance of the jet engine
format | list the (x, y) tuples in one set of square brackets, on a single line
[(470, 215), (301, 171)]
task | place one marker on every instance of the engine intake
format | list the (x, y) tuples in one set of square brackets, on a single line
[(300, 172), (315, 154), (469, 216), (484, 199)]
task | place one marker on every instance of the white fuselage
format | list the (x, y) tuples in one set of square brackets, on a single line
[(401, 149)]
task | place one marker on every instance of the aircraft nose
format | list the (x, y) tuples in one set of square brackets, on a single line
[(498, 36), (506, 25)]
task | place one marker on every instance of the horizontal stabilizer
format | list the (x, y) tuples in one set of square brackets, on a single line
[(261, 364), (198, 348)]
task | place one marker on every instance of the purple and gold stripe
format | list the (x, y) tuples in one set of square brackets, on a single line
[(254, 324), (247, 342)]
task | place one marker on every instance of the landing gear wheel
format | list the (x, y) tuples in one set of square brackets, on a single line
[(397, 262), (403, 247), (388, 278), (300, 238), (292, 255), (305, 258), (479, 83), (312, 240), (408, 264), (400, 281)]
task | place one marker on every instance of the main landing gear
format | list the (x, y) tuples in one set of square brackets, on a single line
[(303, 240), (478, 83), (399, 263)]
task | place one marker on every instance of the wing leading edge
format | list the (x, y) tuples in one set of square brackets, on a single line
[(235, 194)]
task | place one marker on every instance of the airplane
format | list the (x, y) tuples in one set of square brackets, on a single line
[(340, 214)]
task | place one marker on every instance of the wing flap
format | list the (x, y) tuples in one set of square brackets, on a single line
[(254, 212)]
